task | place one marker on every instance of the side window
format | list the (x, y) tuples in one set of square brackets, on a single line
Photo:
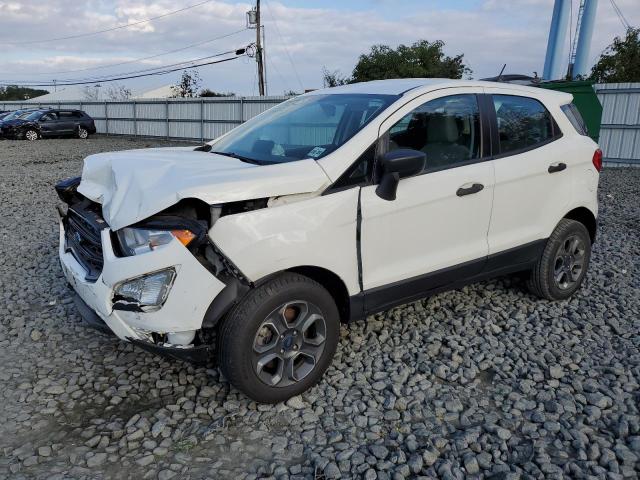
[(523, 123), (360, 172), (65, 115), (77, 114), (447, 129), (574, 116), (49, 117)]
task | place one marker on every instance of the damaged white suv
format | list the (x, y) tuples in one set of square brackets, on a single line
[(327, 208)]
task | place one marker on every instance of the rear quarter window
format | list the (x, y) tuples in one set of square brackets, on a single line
[(523, 123), (574, 116)]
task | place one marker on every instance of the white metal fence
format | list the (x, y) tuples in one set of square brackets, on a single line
[(620, 128), (184, 118), (208, 118)]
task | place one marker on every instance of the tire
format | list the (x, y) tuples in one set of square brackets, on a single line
[(31, 135), (82, 133), (257, 341), (561, 268)]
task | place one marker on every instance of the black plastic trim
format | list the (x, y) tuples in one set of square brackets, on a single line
[(90, 317), (199, 354), (385, 297)]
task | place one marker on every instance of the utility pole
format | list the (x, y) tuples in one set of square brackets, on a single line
[(259, 50)]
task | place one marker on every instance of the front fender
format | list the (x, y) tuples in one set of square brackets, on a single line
[(318, 231)]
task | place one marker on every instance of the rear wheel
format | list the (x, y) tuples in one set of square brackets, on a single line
[(82, 133), (31, 135), (563, 264), (280, 339)]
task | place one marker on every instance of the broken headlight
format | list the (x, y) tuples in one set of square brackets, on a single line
[(135, 241), (147, 292)]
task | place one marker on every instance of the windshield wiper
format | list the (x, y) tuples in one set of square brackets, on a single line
[(240, 157)]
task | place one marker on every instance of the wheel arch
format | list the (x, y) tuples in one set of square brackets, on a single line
[(587, 218), (332, 283)]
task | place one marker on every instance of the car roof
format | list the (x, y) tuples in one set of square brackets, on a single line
[(402, 86)]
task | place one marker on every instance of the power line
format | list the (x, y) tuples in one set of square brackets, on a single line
[(127, 77), (621, 16), (119, 27), (284, 44), (100, 78), (141, 59)]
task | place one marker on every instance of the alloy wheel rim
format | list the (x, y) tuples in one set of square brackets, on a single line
[(289, 343), (569, 262), (31, 135), (82, 133)]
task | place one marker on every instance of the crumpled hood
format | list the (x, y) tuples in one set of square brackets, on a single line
[(132, 185)]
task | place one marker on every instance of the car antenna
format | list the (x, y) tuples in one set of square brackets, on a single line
[(501, 72)]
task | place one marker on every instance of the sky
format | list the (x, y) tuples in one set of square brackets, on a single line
[(302, 37)]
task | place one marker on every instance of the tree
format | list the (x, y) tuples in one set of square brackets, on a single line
[(188, 85), (91, 93), (14, 92), (118, 92), (620, 62), (333, 78), (423, 59), (206, 92)]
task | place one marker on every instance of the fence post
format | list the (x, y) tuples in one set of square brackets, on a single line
[(166, 111), (106, 118), (202, 120), (241, 110), (135, 119)]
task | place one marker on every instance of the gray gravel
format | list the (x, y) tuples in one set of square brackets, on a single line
[(483, 382)]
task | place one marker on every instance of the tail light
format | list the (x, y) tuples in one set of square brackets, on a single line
[(597, 159)]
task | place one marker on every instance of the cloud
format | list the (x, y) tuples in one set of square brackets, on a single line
[(489, 33)]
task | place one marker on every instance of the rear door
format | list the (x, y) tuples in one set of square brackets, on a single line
[(435, 231), (67, 122), (532, 189)]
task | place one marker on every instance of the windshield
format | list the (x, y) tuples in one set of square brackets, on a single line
[(15, 114), (304, 127), (30, 115)]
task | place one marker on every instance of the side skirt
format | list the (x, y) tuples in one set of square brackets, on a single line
[(385, 297)]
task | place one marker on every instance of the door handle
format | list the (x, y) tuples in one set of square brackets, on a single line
[(475, 188), (558, 167)]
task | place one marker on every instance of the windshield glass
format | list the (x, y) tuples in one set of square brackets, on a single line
[(304, 127), (30, 115), (15, 114)]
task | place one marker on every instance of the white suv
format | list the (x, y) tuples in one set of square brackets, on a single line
[(325, 209)]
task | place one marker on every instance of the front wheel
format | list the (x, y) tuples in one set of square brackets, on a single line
[(31, 135), (563, 264), (280, 339)]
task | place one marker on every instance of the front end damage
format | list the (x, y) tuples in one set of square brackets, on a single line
[(166, 298)]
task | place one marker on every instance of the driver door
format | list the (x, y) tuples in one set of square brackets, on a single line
[(48, 124), (435, 231)]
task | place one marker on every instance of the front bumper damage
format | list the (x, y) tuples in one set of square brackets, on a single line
[(192, 292)]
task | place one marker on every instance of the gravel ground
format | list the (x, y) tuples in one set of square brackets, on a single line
[(483, 382)]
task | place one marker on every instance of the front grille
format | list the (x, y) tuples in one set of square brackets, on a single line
[(83, 224)]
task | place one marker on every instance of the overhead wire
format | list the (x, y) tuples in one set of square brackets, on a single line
[(284, 44), (159, 67), (141, 59), (621, 16), (98, 32), (164, 71)]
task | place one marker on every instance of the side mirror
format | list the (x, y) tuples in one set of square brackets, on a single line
[(398, 164)]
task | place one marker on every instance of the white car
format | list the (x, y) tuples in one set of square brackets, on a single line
[(329, 207)]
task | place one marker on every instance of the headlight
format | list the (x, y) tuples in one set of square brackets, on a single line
[(147, 292), (135, 241)]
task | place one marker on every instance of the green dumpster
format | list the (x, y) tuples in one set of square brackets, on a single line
[(585, 99)]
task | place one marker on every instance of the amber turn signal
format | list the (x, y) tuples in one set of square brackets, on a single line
[(185, 237)]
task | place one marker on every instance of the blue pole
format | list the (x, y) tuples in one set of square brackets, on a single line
[(581, 65), (554, 60)]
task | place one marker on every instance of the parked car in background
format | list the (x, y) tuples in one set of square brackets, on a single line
[(6, 116), (327, 208), (40, 123)]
